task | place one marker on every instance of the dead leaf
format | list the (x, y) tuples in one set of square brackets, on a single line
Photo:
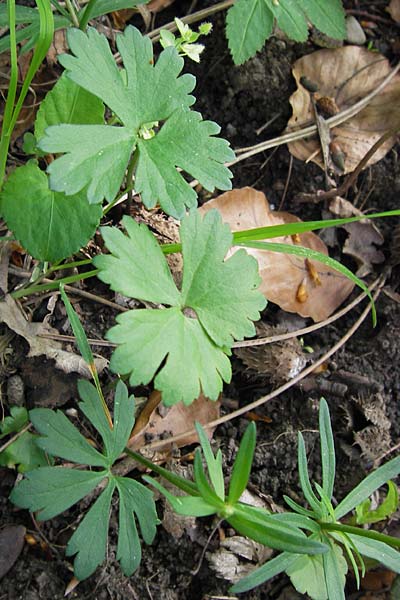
[(394, 10), (364, 237), (157, 421), (69, 362), (58, 46), (227, 560), (283, 274), (345, 75), (12, 539), (156, 6)]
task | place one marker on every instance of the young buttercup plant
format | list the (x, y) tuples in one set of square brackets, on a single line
[(323, 577), (186, 42), (206, 496), (96, 157), (186, 345), (52, 490)]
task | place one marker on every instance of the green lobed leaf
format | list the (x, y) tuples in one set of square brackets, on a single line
[(95, 157), (51, 490), (242, 465), (50, 225), (23, 454), (307, 576), (90, 538), (184, 141), (363, 490), (327, 449), (61, 438), (271, 568), (290, 18), (17, 419), (67, 102), (248, 24), (389, 505), (328, 17), (214, 463), (222, 294)]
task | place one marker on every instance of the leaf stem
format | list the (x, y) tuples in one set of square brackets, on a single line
[(368, 533), (84, 20), (72, 12)]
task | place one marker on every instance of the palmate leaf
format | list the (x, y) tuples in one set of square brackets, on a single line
[(51, 490), (218, 303), (96, 157), (250, 22)]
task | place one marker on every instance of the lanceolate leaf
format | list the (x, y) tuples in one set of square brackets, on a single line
[(242, 465), (38, 216), (248, 24), (142, 95), (271, 568), (218, 303)]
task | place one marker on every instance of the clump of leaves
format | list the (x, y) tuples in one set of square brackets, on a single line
[(185, 43), (206, 496), (323, 577), (250, 22), (51, 490), (142, 97), (217, 304)]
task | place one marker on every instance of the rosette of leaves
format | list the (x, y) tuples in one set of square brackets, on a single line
[(52, 490), (142, 97), (186, 345), (250, 22)]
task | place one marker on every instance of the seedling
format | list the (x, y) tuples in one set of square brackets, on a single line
[(250, 22), (186, 42), (323, 577), (206, 496)]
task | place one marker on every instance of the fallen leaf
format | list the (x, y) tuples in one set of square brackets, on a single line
[(156, 6), (58, 46), (394, 10), (11, 543), (283, 274), (227, 560), (345, 75), (69, 362), (364, 237), (157, 421)]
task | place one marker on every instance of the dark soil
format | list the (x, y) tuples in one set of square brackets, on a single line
[(366, 414)]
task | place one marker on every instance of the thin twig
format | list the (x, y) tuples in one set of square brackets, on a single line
[(14, 438)]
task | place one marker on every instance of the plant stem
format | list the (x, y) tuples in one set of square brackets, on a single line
[(129, 174), (52, 285), (86, 14), (72, 13), (368, 533)]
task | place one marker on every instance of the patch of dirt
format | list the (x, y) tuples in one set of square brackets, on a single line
[(242, 100)]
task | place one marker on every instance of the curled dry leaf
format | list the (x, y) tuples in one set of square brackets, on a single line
[(156, 421), (394, 10), (308, 288), (11, 544), (346, 75)]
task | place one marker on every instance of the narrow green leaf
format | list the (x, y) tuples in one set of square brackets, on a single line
[(299, 509), (79, 332), (38, 216), (189, 506), (214, 464), (297, 520), (335, 568), (92, 408), (123, 420), (273, 567), (90, 538), (248, 25), (363, 490), (327, 449), (204, 487), (383, 553), (304, 478), (61, 438), (51, 490), (242, 465)]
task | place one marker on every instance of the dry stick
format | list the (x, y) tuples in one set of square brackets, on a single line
[(299, 332), (15, 437), (307, 131), (278, 391)]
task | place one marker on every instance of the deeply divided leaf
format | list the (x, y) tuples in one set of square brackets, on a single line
[(141, 95), (218, 303)]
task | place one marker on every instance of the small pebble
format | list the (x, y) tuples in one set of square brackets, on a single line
[(15, 391), (355, 33)]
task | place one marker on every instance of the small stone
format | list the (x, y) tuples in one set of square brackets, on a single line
[(355, 33), (15, 391)]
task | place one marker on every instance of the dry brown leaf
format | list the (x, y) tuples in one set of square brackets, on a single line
[(157, 421), (11, 543), (58, 46), (364, 237), (394, 10), (346, 75), (69, 362), (156, 6), (308, 288)]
